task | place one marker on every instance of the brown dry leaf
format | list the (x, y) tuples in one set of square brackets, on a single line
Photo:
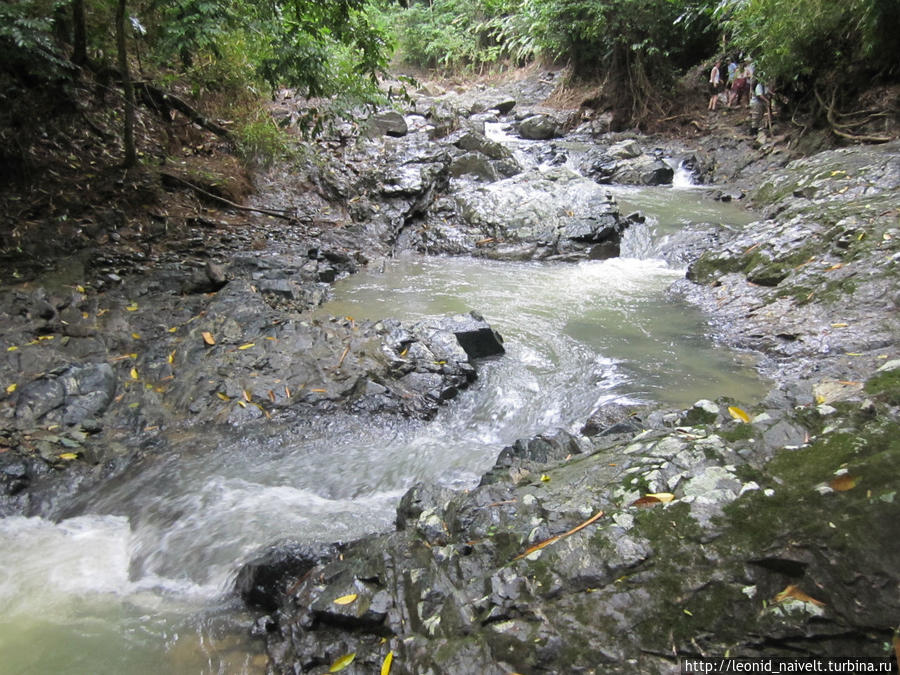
[(247, 396), (272, 396), (541, 544), (792, 591), (345, 599), (208, 338), (843, 483), (646, 500)]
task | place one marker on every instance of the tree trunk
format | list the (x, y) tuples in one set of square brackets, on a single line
[(79, 34), (128, 137)]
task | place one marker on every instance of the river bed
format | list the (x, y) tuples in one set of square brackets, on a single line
[(137, 578)]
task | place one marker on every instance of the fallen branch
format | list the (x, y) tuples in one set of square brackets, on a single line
[(541, 544), (266, 212), (163, 100)]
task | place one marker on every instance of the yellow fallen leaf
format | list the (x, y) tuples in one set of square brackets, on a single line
[(342, 662), (224, 397), (242, 404), (545, 478), (839, 325), (133, 307), (664, 497), (287, 391), (80, 288), (792, 591), (319, 391), (208, 338), (134, 374), (843, 483), (386, 664), (69, 455), (173, 329), (46, 337), (85, 315), (248, 345), (247, 396), (738, 414), (136, 336), (11, 388), (11, 349), (345, 599), (171, 357)]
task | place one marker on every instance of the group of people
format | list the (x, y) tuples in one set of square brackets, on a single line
[(738, 84)]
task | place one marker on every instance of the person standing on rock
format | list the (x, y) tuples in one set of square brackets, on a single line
[(759, 104), (715, 85)]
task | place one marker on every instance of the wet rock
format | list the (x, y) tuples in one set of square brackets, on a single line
[(515, 460), (389, 123), (261, 582), (476, 165), (475, 142), (539, 128), (67, 396)]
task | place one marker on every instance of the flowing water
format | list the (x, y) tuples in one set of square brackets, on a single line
[(137, 579)]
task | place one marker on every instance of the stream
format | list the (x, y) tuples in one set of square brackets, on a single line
[(137, 578)]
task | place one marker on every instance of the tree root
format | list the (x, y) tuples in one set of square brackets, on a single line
[(844, 129)]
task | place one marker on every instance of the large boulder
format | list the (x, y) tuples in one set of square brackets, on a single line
[(539, 128)]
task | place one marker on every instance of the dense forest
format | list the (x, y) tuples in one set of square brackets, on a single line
[(820, 55)]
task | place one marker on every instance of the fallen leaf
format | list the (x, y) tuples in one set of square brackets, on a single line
[(835, 267), (208, 338), (664, 497), (647, 500), (386, 664), (242, 404), (133, 307), (839, 325), (541, 544), (345, 599), (80, 288), (173, 329), (272, 396), (171, 357), (792, 591), (545, 478), (247, 396), (738, 414), (46, 337), (69, 455), (135, 336), (843, 483), (11, 388), (247, 346), (342, 662), (224, 397), (134, 374), (11, 349)]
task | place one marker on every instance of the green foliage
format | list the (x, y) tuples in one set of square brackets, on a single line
[(807, 43), (460, 34), (27, 44)]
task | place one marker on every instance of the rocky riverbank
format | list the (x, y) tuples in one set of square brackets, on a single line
[(650, 536), (658, 535)]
